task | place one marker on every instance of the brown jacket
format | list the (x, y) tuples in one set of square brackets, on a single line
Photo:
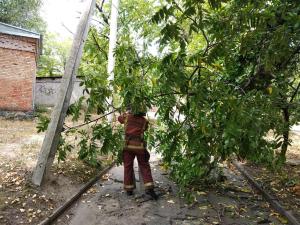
[(135, 127)]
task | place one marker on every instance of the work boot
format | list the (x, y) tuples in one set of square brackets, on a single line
[(129, 193), (152, 193)]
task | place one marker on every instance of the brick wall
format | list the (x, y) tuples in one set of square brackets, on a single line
[(17, 73)]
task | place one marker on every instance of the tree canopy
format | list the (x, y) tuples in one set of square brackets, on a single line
[(22, 13), (54, 58)]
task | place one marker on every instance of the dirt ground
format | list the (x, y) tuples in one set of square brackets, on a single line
[(230, 203), (284, 183), (21, 202)]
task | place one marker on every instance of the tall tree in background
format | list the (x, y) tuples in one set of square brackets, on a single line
[(55, 52), (25, 14), (22, 13)]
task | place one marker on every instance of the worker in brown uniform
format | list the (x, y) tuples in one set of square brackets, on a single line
[(135, 146)]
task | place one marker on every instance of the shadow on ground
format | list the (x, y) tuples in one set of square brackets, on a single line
[(232, 203)]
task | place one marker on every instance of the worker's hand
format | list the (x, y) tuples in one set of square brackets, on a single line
[(119, 110)]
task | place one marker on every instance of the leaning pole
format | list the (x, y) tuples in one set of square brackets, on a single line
[(51, 140)]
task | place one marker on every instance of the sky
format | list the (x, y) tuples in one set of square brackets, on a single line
[(62, 16)]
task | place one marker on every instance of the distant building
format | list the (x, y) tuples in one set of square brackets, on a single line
[(19, 51)]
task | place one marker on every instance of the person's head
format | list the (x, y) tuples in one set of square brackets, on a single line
[(128, 108), (140, 114)]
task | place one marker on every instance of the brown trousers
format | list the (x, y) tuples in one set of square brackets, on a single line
[(143, 157)]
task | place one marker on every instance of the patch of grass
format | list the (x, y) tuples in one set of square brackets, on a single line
[(41, 109)]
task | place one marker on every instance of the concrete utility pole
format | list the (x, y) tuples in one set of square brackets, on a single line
[(51, 140), (112, 46)]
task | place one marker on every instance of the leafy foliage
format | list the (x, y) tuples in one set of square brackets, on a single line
[(42, 123), (22, 13), (53, 60), (132, 84), (225, 74), (236, 71)]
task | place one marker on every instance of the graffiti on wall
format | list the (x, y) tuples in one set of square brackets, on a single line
[(46, 90)]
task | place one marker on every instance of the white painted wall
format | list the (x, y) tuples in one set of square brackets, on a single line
[(46, 90)]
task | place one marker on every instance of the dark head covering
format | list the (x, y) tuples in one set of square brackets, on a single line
[(140, 114)]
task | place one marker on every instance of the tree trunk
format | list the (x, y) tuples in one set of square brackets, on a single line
[(286, 121)]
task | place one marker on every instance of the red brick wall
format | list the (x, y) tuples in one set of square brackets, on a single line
[(17, 73)]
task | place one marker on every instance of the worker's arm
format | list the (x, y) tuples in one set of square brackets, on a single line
[(146, 125)]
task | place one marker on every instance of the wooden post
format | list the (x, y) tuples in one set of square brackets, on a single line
[(51, 140)]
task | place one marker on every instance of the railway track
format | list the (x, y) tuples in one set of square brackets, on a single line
[(59, 211)]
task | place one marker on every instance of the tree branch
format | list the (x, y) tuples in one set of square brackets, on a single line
[(99, 47), (195, 22), (67, 28), (181, 10), (207, 41), (165, 94), (102, 3), (286, 62), (100, 9), (194, 72), (140, 62), (95, 120), (295, 93)]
